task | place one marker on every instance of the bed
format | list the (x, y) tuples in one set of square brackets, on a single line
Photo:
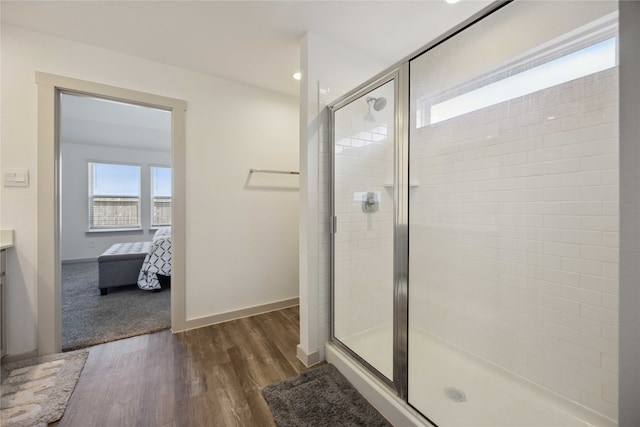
[(147, 264), (157, 262)]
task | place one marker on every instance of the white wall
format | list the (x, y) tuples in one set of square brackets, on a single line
[(76, 242), (242, 237), (629, 412)]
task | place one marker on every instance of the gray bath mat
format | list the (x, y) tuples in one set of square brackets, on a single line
[(320, 397)]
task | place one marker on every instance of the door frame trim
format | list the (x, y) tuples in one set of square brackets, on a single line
[(49, 286)]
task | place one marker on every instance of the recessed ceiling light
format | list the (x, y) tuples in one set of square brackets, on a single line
[(451, 1), (297, 75)]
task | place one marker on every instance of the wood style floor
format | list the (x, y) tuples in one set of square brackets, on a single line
[(210, 376)]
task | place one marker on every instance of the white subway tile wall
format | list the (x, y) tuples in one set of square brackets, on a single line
[(514, 236), (364, 240)]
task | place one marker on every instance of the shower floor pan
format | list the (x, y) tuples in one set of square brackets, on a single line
[(455, 388)]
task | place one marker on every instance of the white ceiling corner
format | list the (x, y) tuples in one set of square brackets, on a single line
[(251, 42)]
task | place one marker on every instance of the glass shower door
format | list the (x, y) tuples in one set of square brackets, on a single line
[(513, 222), (363, 239)]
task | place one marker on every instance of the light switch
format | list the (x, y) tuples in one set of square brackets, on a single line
[(16, 178)]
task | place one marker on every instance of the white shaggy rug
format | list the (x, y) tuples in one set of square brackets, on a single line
[(35, 392)]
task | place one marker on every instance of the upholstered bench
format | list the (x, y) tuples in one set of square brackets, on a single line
[(120, 264)]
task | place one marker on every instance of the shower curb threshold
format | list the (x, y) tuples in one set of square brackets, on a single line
[(395, 410)]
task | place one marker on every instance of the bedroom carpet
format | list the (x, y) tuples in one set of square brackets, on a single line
[(320, 397), (89, 318)]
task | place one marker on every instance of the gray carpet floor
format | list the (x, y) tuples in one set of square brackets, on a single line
[(89, 318), (320, 397)]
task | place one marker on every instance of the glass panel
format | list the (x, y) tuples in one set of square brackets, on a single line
[(514, 220), (114, 195), (160, 196), (363, 244)]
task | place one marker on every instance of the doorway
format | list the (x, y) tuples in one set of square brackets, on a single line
[(49, 198), (115, 180)]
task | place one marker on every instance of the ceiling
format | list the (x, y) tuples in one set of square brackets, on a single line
[(95, 121), (251, 42)]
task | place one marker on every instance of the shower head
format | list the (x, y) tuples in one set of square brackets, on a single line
[(378, 103)]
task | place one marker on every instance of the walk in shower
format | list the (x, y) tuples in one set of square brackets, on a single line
[(475, 220)]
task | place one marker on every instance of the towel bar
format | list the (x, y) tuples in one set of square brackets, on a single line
[(273, 171)]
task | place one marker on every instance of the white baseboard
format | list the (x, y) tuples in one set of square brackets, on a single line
[(8, 358), (236, 314), (309, 359), (73, 261)]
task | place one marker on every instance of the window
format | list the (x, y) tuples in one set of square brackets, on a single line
[(160, 196), (114, 196), (580, 63)]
